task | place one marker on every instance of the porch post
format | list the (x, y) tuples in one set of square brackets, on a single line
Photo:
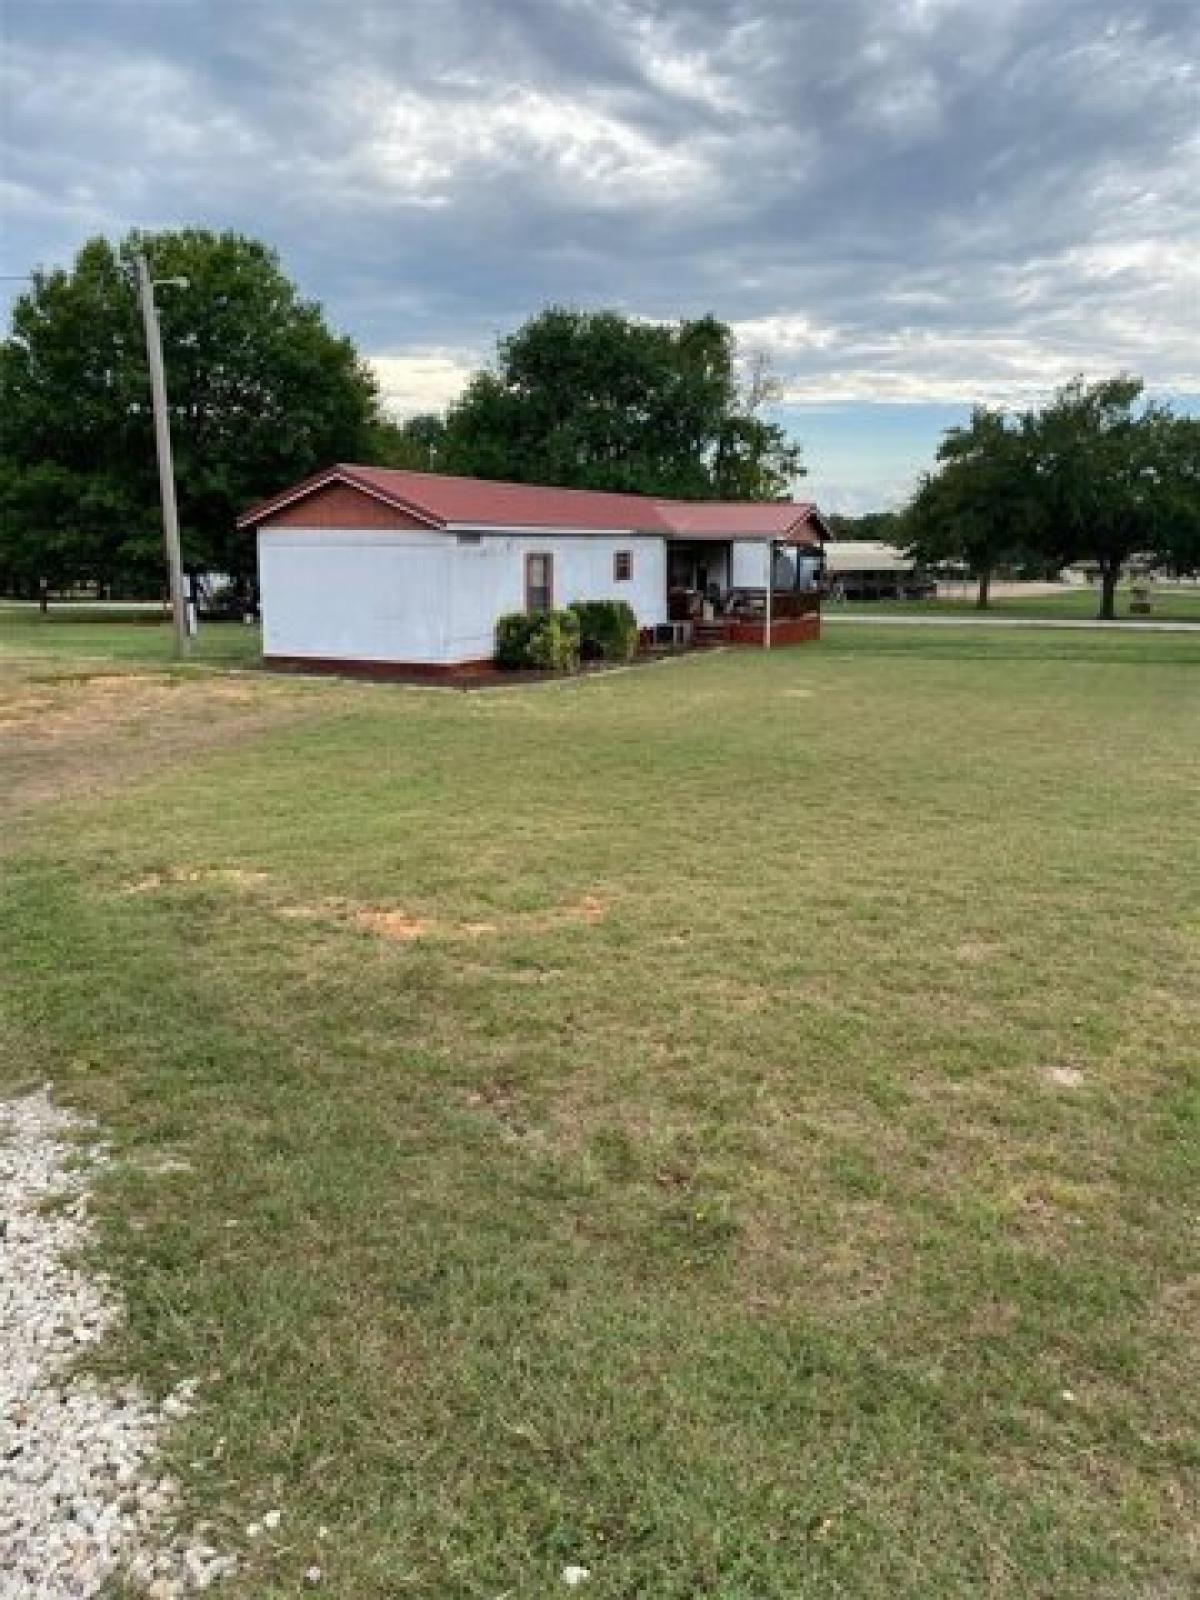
[(770, 587)]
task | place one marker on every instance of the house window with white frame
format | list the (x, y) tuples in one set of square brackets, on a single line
[(622, 566)]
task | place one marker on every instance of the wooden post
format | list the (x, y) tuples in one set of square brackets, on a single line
[(770, 587)]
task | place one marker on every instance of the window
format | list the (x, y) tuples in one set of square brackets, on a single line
[(622, 566), (539, 582)]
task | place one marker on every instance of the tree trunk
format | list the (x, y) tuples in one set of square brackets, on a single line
[(1109, 573), (982, 599)]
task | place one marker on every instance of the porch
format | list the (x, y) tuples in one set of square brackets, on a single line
[(795, 619), (717, 592)]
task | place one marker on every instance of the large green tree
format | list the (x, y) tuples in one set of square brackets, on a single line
[(1180, 520), (977, 509), (1099, 474), (603, 401), (1115, 476), (261, 393), (887, 526), (418, 443)]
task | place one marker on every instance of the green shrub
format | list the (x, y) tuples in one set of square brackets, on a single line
[(608, 629), (548, 640), (554, 642), (512, 639)]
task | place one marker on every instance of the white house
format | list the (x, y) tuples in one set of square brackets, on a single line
[(376, 569)]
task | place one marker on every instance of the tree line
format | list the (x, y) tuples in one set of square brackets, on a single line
[(1100, 475), (260, 391), (597, 400), (263, 393)]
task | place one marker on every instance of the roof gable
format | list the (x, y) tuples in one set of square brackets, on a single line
[(335, 504)]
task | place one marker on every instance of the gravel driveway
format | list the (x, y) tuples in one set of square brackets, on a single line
[(81, 1498)]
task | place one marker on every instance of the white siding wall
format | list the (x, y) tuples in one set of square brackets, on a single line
[(749, 564), (352, 595), (424, 597), (488, 579)]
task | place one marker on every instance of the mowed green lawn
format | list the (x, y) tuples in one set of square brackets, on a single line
[(84, 632), (731, 1125), (1178, 603)]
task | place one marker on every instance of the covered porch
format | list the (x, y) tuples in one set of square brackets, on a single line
[(718, 590)]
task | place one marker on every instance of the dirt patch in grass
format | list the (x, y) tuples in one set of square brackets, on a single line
[(163, 1166), (402, 926), (977, 952), (235, 877), (328, 911), (61, 702), (71, 735), (590, 909), (1063, 1077), (24, 710), (395, 925)]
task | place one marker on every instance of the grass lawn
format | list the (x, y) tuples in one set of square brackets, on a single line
[(1169, 604), (732, 1125), (88, 632)]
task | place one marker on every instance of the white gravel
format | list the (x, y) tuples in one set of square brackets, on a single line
[(81, 1497)]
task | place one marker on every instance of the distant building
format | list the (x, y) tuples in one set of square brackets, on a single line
[(868, 569), (1085, 573)]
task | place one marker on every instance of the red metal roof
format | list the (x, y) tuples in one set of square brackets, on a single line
[(719, 519), (444, 501)]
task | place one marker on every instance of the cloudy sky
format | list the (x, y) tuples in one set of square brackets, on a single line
[(911, 204)]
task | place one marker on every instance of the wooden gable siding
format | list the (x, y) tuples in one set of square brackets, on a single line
[(339, 505)]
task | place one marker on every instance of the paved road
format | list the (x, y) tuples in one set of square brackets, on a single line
[(1123, 625)]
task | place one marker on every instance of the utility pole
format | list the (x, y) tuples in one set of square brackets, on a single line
[(162, 442)]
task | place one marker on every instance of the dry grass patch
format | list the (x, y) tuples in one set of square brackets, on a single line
[(394, 924), (230, 877), (1063, 1077), (978, 952), (397, 926), (589, 909), (59, 704), (68, 735), (521, 976)]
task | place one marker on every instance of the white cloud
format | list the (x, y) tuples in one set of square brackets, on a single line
[(784, 335), (422, 380), (670, 65), (421, 148), (868, 491)]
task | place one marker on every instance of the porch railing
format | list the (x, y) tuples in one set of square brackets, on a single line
[(687, 605)]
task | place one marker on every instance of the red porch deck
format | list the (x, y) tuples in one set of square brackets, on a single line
[(795, 619), (753, 631)]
